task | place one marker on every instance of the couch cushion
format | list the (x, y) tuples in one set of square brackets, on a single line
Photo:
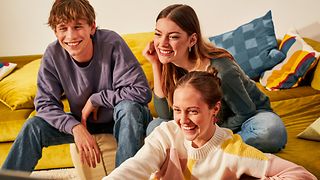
[(108, 146), (285, 94), (315, 83), (297, 114), (137, 42), (253, 45), (52, 157), (300, 58), (18, 90), (12, 123)]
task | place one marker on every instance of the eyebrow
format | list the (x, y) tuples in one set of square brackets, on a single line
[(169, 33), (192, 107)]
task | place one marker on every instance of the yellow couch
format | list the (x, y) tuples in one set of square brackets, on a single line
[(298, 107)]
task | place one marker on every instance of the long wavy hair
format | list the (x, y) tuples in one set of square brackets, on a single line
[(186, 18)]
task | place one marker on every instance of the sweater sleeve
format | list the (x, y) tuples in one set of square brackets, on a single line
[(128, 79), (48, 98), (162, 108), (147, 160), (283, 169), (235, 96)]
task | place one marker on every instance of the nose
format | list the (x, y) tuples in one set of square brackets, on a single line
[(184, 118), (69, 33), (164, 41)]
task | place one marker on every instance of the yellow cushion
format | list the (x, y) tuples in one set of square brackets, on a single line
[(297, 114), (18, 90), (137, 42), (52, 157), (300, 58), (315, 83), (11, 122), (312, 132)]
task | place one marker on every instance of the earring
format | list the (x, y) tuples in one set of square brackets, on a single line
[(189, 49)]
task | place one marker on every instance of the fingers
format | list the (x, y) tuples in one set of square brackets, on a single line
[(90, 157), (90, 153), (149, 49), (97, 153)]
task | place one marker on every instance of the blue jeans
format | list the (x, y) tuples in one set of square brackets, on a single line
[(264, 131), (131, 120)]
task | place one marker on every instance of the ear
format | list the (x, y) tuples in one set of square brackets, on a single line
[(215, 111), (93, 28), (193, 39), (216, 108)]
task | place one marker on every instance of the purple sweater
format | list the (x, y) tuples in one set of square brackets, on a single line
[(113, 75)]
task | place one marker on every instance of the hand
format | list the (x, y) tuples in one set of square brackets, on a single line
[(87, 146), (150, 53), (86, 111)]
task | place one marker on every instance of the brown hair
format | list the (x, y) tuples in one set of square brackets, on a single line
[(207, 83), (69, 10), (186, 18)]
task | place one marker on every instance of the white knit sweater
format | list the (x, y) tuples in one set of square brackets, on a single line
[(169, 155)]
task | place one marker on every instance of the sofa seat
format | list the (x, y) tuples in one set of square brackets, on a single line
[(52, 157), (298, 108), (285, 94), (11, 122)]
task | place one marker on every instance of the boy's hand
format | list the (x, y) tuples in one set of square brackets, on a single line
[(87, 146), (86, 111)]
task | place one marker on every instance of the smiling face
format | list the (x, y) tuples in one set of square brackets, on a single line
[(171, 42), (74, 37), (193, 115)]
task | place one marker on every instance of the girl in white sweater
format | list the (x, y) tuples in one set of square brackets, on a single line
[(194, 147)]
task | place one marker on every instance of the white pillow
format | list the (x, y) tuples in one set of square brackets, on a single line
[(6, 68)]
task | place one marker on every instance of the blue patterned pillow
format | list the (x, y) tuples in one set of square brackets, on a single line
[(253, 45)]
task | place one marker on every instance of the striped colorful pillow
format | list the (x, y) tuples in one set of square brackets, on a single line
[(300, 58)]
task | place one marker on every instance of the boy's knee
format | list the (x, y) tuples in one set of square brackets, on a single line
[(32, 123), (128, 106)]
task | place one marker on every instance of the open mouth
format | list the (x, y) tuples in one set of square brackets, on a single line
[(165, 52), (189, 128), (73, 44)]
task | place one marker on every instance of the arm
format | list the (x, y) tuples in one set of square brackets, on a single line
[(147, 160), (235, 95), (283, 169), (50, 108), (160, 103), (48, 98), (128, 79), (162, 108), (151, 55)]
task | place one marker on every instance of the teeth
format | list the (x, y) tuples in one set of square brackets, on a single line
[(165, 52), (188, 127), (72, 43)]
